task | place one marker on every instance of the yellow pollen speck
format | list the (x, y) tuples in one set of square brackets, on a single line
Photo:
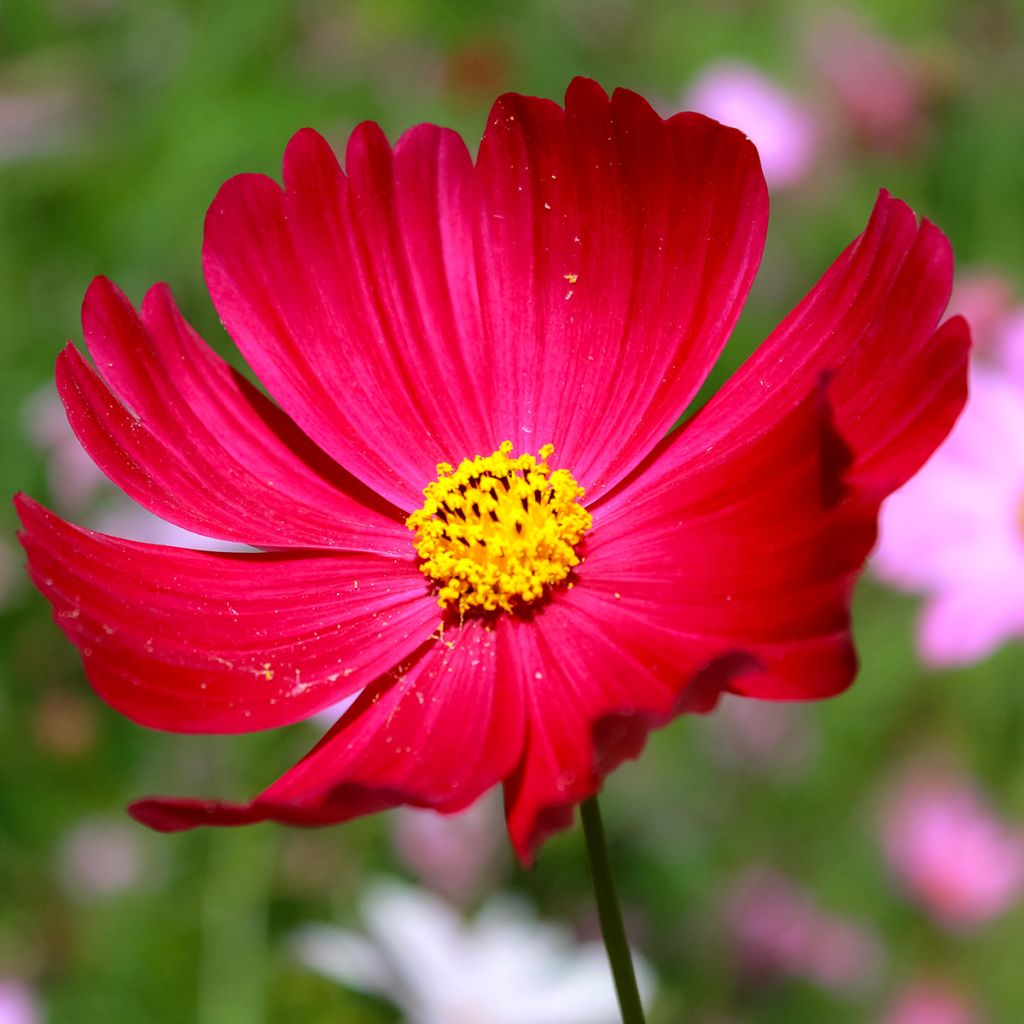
[(499, 530), (571, 278)]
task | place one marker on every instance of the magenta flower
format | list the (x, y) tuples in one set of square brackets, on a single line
[(777, 928), (956, 532), (931, 1002), (951, 851), (492, 353)]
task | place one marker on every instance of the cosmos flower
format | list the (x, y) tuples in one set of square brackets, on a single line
[(951, 851), (503, 966), (776, 928), (492, 354), (955, 533), (931, 1002), (18, 1003)]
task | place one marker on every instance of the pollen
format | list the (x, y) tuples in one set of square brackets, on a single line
[(498, 531)]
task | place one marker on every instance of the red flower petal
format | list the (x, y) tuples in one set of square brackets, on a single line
[(896, 385), (616, 251), (196, 641), (574, 288), (437, 732), (749, 526), (731, 572), (748, 550), (590, 701), (348, 295), (201, 446)]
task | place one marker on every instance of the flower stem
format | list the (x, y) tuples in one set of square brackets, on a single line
[(610, 915)]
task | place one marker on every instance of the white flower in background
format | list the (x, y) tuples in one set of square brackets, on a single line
[(501, 967)]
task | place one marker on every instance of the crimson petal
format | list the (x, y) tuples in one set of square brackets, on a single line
[(748, 527), (725, 573), (615, 252), (188, 437), (196, 641), (574, 287), (437, 732), (896, 384)]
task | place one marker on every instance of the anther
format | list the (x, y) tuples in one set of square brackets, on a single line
[(515, 553)]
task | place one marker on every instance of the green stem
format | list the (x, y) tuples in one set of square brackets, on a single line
[(610, 915)]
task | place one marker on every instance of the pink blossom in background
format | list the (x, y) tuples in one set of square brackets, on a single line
[(984, 298), (454, 855), (778, 929), (18, 1003), (1010, 344), (873, 82), (783, 129), (955, 533), (930, 1002), (950, 850), (99, 858), (73, 478)]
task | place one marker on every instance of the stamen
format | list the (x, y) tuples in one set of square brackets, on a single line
[(493, 548)]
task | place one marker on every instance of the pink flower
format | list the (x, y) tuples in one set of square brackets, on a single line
[(984, 298), (1010, 344), (494, 353), (73, 478), (777, 928), (782, 128), (951, 851), (928, 1002), (18, 1003), (955, 533)]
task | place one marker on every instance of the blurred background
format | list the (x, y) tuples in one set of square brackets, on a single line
[(858, 860)]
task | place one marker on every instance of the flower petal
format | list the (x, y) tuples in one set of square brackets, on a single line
[(574, 288), (596, 681), (727, 560), (720, 573), (350, 295), (437, 732), (190, 439), (751, 523), (896, 383), (616, 250), (965, 624), (195, 641), (749, 550)]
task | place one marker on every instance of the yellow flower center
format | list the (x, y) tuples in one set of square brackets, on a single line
[(498, 530)]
